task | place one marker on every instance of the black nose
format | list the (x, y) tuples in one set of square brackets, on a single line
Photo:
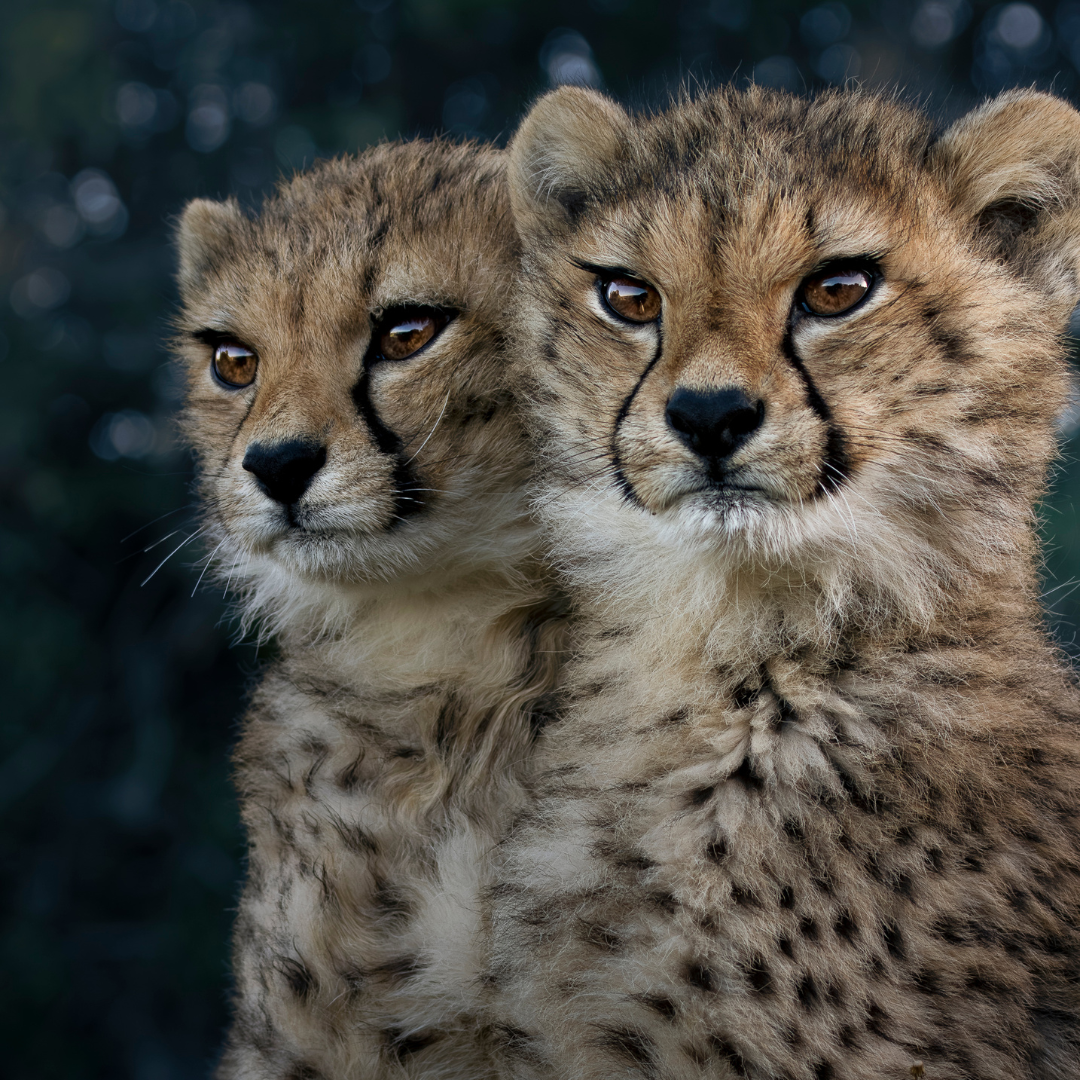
[(714, 423), (285, 469)]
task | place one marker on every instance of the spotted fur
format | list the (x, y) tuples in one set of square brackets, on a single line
[(382, 753), (811, 809)]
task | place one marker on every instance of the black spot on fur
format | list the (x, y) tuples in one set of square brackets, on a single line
[(794, 831), (787, 897), (807, 992), (401, 1045), (746, 776), (717, 850), (823, 1070), (633, 1047), (785, 946), (602, 937), (400, 968), (745, 696), (665, 901), (894, 940), (700, 976), (808, 928), (758, 976), (845, 926), (662, 1005), (302, 1071), (406, 752), (728, 1053), (846, 1037), (744, 896), (700, 796), (389, 901), (679, 716), (296, 975), (928, 981), (515, 1042)]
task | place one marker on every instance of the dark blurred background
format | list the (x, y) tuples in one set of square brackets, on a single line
[(120, 851)]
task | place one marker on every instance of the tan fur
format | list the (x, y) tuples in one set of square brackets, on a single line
[(381, 755), (811, 811)]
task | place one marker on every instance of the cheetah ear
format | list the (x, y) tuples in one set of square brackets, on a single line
[(1013, 169), (205, 235), (561, 154)]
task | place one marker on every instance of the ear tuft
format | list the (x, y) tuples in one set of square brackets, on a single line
[(560, 154), (1012, 168), (204, 235)]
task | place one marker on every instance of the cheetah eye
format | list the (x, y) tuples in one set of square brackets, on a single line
[(630, 299), (406, 330), (836, 289), (234, 365)]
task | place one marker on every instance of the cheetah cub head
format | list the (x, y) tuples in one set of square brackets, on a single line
[(345, 390), (811, 336)]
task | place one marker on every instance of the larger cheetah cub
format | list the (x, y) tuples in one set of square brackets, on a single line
[(360, 463), (813, 809)]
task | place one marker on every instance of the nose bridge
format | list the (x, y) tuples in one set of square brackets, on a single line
[(300, 397), (724, 348)]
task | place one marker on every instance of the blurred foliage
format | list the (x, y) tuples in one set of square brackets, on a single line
[(120, 846)]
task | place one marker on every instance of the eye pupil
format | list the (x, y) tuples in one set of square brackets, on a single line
[(832, 292), (636, 301), (234, 364)]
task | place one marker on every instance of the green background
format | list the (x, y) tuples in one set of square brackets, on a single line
[(119, 846)]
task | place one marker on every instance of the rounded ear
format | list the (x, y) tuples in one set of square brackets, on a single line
[(560, 154), (205, 235), (1012, 168)]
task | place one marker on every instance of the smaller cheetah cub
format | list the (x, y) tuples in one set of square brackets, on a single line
[(360, 466), (812, 810)]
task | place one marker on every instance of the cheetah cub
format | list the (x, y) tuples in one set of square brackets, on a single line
[(812, 811), (359, 462)]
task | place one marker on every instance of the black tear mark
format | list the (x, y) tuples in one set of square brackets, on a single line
[(700, 976), (297, 976), (621, 480), (632, 1046), (408, 496), (835, 464)]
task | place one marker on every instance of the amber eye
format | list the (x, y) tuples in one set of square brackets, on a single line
[(835, 289), (636, 301), (234, 364), (404, 331)]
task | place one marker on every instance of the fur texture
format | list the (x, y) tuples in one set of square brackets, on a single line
[(381, 756), (811, 809)]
